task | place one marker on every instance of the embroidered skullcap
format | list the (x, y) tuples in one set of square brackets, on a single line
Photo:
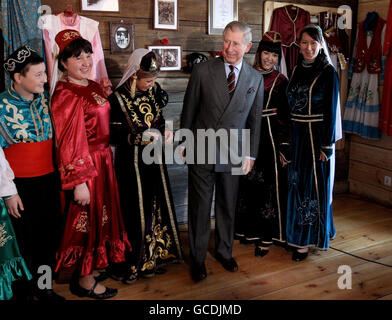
[(65, 37), (271, 42), (20, 58)]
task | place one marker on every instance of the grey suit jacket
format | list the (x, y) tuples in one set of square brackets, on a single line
[(207, 104)]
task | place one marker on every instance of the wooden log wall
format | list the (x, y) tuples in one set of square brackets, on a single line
[(193, 36), (370, 160)]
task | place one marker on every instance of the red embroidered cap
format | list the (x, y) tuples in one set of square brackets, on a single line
[(63, 38)]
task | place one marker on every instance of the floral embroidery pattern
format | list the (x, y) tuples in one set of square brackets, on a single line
[(82, 224), (105, 217), (308, 212), (3, 236), (100, 100)]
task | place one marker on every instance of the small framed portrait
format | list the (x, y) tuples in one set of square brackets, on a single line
[(220, 13), (169, 56), (100, 5), (122, 37), (166, 14)]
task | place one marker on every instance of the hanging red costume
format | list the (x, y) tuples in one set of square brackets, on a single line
[(289, 21), (385, 124)]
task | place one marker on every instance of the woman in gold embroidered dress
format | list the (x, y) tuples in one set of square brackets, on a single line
[(145, 196)]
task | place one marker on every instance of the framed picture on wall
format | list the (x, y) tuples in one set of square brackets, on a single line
[(166, 14), (100, 5), (220, 13), (122, 37), (170, 57)]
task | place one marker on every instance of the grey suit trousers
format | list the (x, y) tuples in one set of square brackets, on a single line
[(201, 182)]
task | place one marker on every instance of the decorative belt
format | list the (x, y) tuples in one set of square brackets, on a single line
[(307, 117), (270, 112), (30, 159)]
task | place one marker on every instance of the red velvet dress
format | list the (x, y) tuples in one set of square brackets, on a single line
[(386, 104), (289, 21), (94, 234)]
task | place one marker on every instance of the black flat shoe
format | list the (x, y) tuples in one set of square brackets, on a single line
[(199, 272), (229, 264), (259, 252), (299, 256), (79, 291)]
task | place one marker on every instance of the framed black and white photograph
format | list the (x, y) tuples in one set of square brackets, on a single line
[(166, 14), (100, 5), (122, 37), (220, 13), (169, 56)]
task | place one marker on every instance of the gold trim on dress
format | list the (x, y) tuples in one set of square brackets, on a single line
[(275, 160), (140, 190), (170, 211)]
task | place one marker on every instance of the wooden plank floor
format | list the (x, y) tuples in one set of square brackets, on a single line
[(363, 229)]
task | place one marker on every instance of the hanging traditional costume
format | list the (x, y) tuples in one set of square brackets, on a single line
[(386, 103), (88, 29), (26, 136), (12, 264), (289, 21), (262, 200), (145, 194), (18, 24), (362, 110), (94, 234), (313, 94)]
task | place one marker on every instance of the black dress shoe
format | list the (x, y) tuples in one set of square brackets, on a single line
[(229, 264), (299, 256), (199, 272), (47, 295), (78, 290), (259, 252)]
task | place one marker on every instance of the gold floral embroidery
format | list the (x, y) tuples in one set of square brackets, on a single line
[(145, 108), (100, 100), (105, 217), (14, 121), (3, 236), (70, 167), (70, 35), (45, 110), (81, 161), (135, 118), (82, 224), (159, 243)]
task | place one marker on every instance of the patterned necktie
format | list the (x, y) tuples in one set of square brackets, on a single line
[(231, 81)]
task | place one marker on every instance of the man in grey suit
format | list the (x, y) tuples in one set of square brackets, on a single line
[(222, 94)]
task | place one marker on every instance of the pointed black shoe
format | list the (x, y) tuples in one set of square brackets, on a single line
[(79, 291), (229, 264), (198, 272), (259, 252), (299, 256)]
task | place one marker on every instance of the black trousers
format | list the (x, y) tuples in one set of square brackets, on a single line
[(202, 180), (38, 231)]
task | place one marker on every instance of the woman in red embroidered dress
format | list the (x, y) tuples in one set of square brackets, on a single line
[(94, 231)]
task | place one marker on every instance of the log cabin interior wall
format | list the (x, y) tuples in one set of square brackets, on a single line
[(192, 35), (371, 160)]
